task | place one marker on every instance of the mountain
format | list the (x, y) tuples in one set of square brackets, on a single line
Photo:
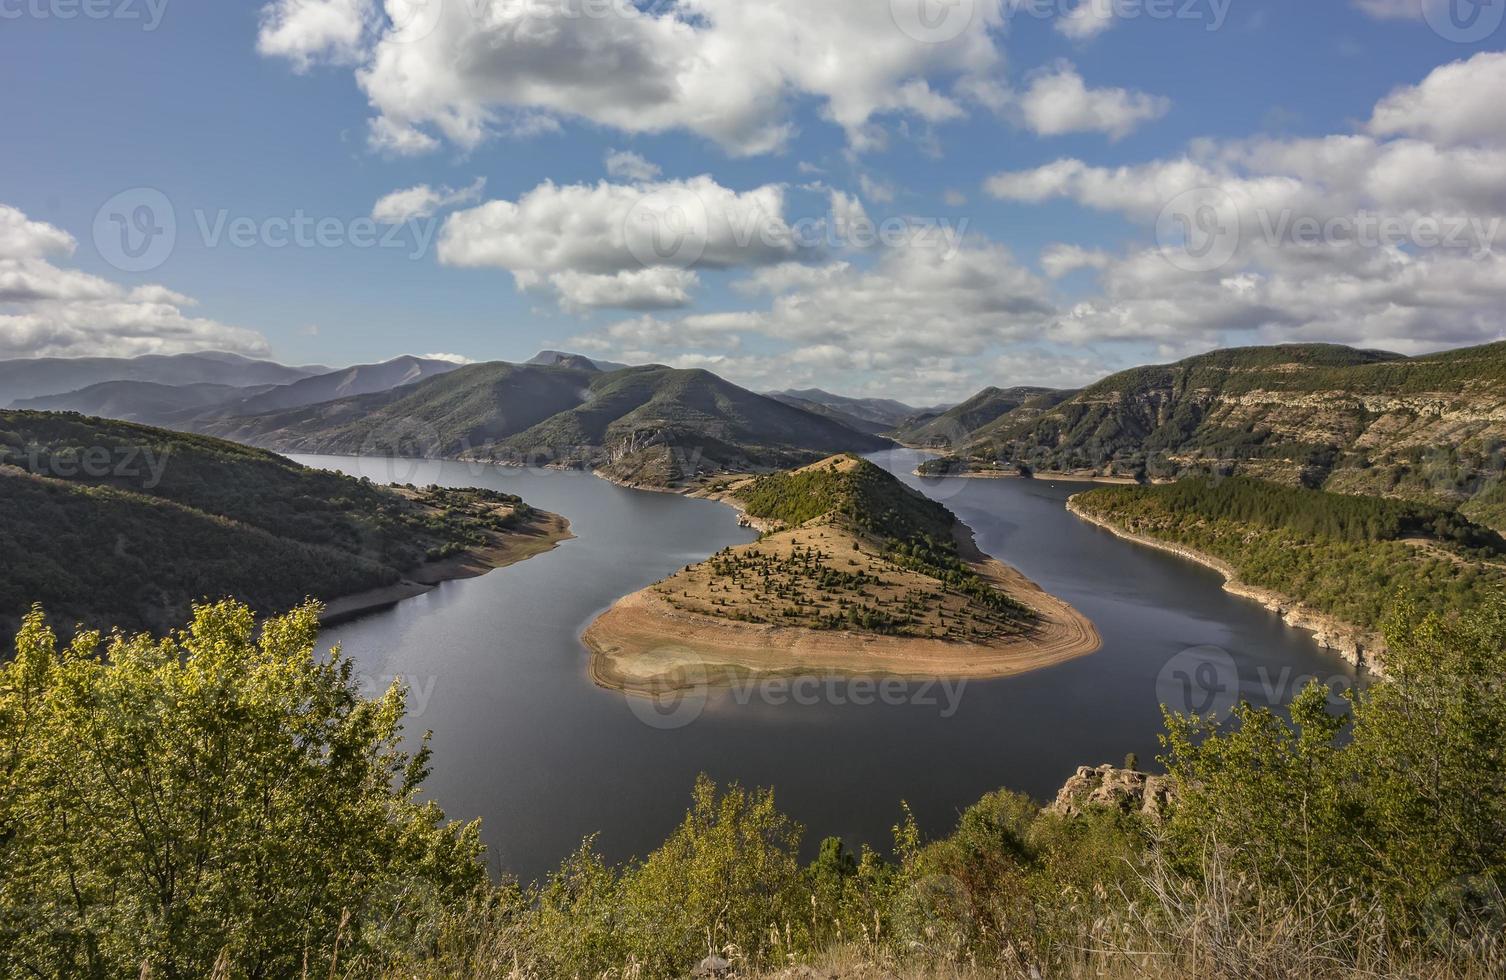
[(836, 415), (554, 358), (184, 406), (652, 425), (1429, 428), (140, 401), (33, 377), (883, 412), (121, 524), (955, 426), (361, 379)]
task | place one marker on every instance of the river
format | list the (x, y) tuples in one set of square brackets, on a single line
[(524, 740)]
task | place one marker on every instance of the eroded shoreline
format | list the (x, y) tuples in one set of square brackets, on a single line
[(1359, 647)]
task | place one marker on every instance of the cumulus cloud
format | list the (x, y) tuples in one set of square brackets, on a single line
[(1457, 104), (48, 310), (1058, 101), (724, 69), (309, 31), (624, 245), (1351, 237), (1061, 260), (424, 201), (919, 315), (1087, 20), (626, 165)]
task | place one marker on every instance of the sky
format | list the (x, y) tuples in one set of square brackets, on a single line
[(904, 198)]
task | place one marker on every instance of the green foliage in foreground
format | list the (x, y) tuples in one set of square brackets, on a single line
[(1343, 555), (227, 805), (221, 796)]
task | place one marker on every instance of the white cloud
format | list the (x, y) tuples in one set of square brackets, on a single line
[(630, 245), (626, 165), (423, 201), (1087, 20), (309, 31), (724, 69), (1343, 238), (918, 316), (1061, 260), (1458, 103), (452, 358), (46, 310), (658, 288), (1058, 101)]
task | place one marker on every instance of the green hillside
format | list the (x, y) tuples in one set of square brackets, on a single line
[(957, 426), (1349, 556), (650, 425), (115, 523), (1426, 428)]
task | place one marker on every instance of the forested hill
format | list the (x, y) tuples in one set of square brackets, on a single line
[(651, 425), (111, 523), (1430, 428), (1349, 557)]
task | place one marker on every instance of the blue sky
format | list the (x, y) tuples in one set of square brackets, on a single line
[(244, 112)]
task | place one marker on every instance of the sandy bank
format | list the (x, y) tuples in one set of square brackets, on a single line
[(1358, 646), (540, 533), (644, 645)]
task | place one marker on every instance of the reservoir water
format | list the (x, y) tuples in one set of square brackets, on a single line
[(524, 740)]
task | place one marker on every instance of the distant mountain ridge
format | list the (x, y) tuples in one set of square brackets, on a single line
[(34, 377), (184, 406), (651, 425)]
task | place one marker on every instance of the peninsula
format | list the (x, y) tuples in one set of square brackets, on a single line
[(855, 574)]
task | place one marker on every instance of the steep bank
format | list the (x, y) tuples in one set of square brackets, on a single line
[(1360, 647)]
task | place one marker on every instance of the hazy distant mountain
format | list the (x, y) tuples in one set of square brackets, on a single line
[(652, 425), (188, 406), (884, 412), (953, 428), (555, 358), (32, 377), (140, 401), (362, 379)]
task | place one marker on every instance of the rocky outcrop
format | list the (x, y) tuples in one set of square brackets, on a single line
[(1125, 790)]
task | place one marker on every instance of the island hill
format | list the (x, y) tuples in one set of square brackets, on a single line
[(114, 524), (855, 574)]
